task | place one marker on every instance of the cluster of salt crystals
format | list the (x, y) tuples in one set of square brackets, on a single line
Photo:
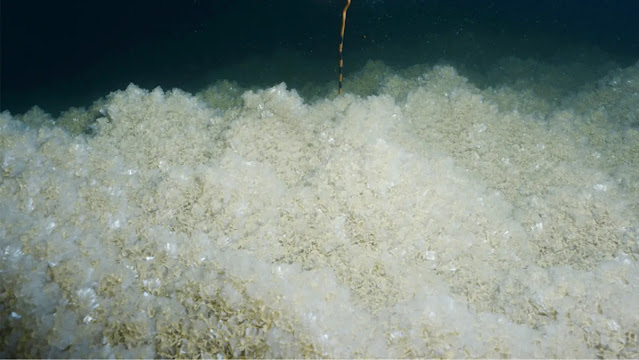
[(313, 302), (45, 216), (440, 251)]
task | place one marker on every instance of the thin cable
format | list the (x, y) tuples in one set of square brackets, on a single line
[(341, 46)]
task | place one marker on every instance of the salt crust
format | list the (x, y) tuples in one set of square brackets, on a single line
[(430, 220)]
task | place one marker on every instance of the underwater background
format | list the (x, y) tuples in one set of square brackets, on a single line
[(68, 53), (181, 179)]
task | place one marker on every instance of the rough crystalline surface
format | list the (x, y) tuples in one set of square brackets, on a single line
[(433, 219)]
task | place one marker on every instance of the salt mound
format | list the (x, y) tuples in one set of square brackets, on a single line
[(430, 220)]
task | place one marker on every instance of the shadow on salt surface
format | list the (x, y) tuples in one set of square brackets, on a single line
[(430, 220)]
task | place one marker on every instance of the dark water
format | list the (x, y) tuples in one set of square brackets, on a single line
[(57, 54)]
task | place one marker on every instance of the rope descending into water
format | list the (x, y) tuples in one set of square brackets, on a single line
[(341, 46)]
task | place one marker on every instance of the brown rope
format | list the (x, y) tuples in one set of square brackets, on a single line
[(341, 46)]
